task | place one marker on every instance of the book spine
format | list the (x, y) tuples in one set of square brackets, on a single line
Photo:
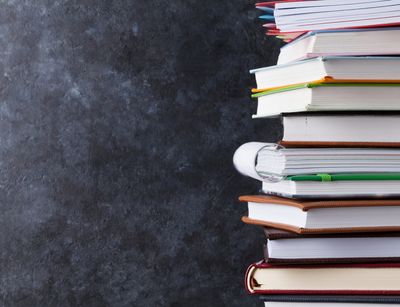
[(248, 280)]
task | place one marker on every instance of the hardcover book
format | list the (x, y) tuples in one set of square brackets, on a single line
[(328, 97), (327, 304), (285, 247), (329, 69), (323, 216), (374, 41), (343, 129), (353, 300), (339, 279)]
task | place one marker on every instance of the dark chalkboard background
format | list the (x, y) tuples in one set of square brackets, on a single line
[(118, 121)]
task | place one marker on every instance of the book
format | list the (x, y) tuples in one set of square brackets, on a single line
[(353, 299), (342, 129), (274, 162), (325, 15), (277, 161), (285, 247), (338, 279), (324, 215), (328, 304), (311, 97), (329, 69), (358, 42), (316, 188), (333, 185), (292, 4), (330, 19)]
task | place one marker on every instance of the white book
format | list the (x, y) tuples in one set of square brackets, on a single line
[(319, 4), (296, 304), (338, 248), (342, 128), (319, 15), (326, 216), (343, 300), (393, 19), (335, 17), (377, 41), (273, 160), (314, 186), (338, 68), (329, 97), (333, 189), (338, 9)]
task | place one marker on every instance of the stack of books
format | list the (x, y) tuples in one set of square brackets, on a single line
[(329, 202)]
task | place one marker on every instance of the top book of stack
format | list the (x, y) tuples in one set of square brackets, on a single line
[(334, 28)]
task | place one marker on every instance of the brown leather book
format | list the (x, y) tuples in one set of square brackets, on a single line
[(323, 216), (284, 247)]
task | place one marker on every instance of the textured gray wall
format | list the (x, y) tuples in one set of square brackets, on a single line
[(118, 121)]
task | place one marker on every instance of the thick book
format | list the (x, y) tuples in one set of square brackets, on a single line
[(285, 247), (376, 41), (353, 300), (341, 130), (277, 161), (323, 216), (317, 185), (331, 69), (339, 279), (328, 97)]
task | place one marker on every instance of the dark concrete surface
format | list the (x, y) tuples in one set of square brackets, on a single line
[(118, 121)]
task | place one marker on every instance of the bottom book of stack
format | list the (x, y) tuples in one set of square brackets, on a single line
[(331, 301)]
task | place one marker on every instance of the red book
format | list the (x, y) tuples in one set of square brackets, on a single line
[(338, 279)]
